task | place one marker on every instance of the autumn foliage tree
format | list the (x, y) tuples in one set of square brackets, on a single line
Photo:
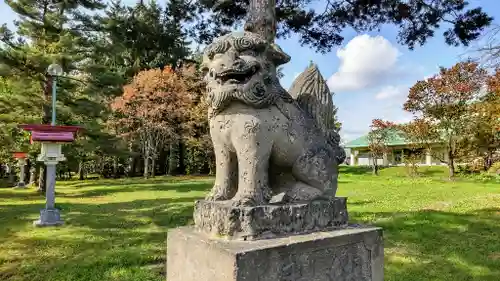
[(420, 136), (378, 137), (199, 154), (442, 105), (151, 110), (485, 121)]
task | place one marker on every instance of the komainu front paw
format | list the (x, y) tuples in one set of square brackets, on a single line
[(217, 194)]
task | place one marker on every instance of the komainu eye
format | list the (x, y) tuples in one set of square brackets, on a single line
[(250, 53)]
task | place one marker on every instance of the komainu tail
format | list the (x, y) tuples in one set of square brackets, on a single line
[(312, 94)]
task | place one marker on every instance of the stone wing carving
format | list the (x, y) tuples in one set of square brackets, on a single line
[(312, 94)]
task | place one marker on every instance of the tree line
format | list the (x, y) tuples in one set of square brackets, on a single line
[(457, 109), (131, 76)]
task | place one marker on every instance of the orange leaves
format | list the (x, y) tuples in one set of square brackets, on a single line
[(494, 83), (419, 132), (155, 98)]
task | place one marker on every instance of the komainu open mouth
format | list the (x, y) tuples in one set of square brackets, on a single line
[(236, 76)]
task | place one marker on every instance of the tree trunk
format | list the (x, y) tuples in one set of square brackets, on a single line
[(182, 165), (12, 176), (81, 170), (153, 167), (173, 159), (146, 166), (261, 18), (488, 160), (33, 176), (451, 165), (27, 174), (375, 167), (115, 167)]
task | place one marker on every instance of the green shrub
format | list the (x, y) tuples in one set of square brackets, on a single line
[(495, 169), (464, 169)]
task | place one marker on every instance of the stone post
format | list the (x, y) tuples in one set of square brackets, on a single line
[(21, 162), (353, 158), (50, 194), (428, 158), (51, 155)]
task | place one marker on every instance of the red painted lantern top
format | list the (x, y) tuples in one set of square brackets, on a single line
[(49, 133), (19, 155)]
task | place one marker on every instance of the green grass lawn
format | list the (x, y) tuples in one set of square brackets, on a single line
[(116, 229)]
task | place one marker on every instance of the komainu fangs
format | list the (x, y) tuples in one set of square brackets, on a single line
[(270, 145)]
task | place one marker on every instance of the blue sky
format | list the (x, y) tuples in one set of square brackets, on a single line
[(370, 73)]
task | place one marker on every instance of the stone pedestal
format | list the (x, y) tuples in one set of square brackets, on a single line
[(49, 217), (350, 254), (222, 219)]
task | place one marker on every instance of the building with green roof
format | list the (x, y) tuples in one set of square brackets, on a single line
[(399, 147)]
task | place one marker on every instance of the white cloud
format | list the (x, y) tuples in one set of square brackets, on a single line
[(364, 62), (347, 135), (391, 92)]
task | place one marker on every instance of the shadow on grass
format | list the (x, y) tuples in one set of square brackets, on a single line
[(178, 186), (115, 241), (420, 246), (134, 181), (167, 213), (359, 202), (433, 172), (355, 170), (97, 242), (436, 245), (30, 194)]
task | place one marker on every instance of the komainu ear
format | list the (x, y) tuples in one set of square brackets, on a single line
[(277, 56)]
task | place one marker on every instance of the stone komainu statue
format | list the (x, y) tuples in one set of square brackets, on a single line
[(270, 145)]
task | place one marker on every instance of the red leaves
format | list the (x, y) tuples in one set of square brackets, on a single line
[(379, 136), (454, 110), (438, 96), (381, 124)]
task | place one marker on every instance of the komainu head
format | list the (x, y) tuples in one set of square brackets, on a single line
[(242, 66)]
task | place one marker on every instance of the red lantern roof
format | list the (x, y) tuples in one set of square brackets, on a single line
[(49, 133), (20, 155)]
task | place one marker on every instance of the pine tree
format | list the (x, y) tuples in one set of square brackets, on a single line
[(129, 40), (416, 20), (47, 32)]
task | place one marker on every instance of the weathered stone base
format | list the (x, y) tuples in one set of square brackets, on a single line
[(221, 219), (351, 254), (49, 217)]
